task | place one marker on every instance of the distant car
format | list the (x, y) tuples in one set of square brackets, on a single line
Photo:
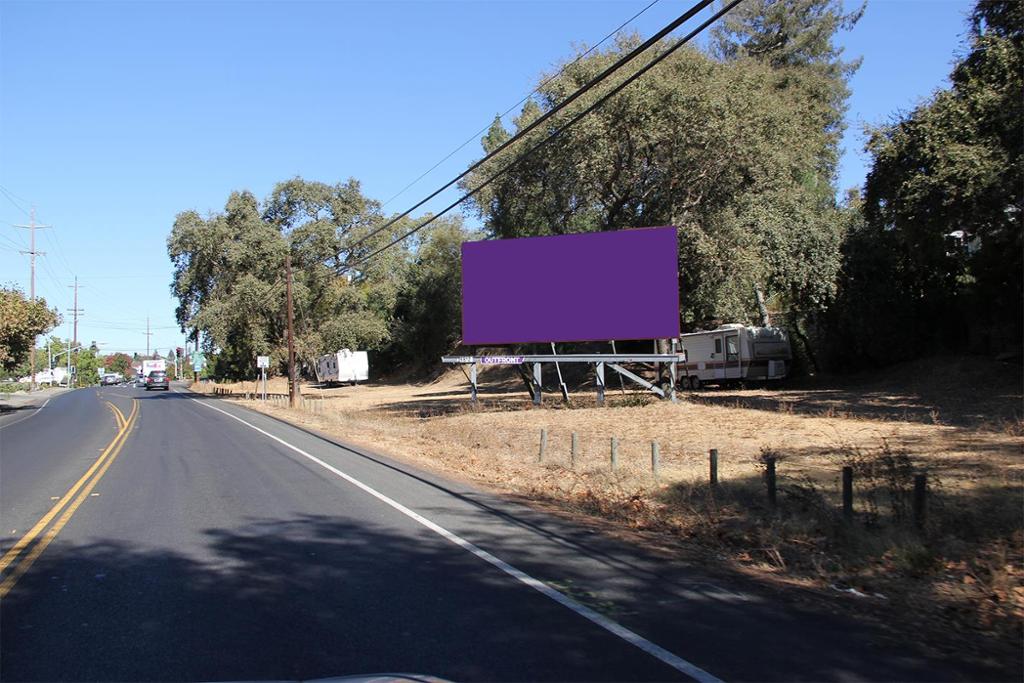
[(157, 380), (140, 381), (108, 380)]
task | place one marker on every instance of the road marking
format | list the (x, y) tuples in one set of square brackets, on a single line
[(118, 415), (656, 651), (37, 550), (11, 554), (33, 414)]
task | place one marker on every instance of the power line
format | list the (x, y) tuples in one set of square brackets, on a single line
[(614, 91), (15, 243), (58, 296), (11, 198), (122, 277), (523, 100), (621, 62), (58, 248)]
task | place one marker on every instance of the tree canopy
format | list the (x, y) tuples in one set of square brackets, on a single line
[(737, 149), (21, 321), (938, 252), (230, 273)]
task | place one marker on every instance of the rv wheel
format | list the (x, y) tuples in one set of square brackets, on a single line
[(695, 383)]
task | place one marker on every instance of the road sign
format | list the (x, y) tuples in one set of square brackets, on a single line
[(262, 361)]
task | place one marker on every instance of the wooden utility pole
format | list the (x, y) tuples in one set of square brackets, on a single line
[(32, 227), (293, 385)]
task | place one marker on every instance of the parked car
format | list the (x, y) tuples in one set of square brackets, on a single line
[(157, 380), (109, 380)]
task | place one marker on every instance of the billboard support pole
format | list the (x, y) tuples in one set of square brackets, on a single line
[(472, 382), (622, 382), (599, 374), (673, 370), (558, 369), (639, 380), (536, 384)]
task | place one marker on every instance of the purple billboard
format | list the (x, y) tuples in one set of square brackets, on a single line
[(590, 287)]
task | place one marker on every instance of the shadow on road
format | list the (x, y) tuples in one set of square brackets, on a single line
[(316, 596), (304, 598)]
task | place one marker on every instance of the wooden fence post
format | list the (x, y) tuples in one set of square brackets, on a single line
[(847, 493), (575, 449), (920, 499), (543, 445), (770, 479), (655, 459), (615, 453), (713, 466)]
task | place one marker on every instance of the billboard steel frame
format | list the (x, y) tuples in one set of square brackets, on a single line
[(612, 361)]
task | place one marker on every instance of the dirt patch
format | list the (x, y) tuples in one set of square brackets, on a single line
[(957, 571)]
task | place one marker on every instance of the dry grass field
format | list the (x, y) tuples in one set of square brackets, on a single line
[(958, 420)]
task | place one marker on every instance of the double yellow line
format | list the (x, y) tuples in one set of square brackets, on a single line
[(10, 565)]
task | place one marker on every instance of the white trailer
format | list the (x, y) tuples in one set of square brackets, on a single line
[(156, 365), (734, 353), (343, 366)]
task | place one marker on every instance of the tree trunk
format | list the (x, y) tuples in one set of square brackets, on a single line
[(806, 344)]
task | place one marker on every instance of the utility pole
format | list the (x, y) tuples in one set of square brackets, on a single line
[(32, 227), (293, 387), (75, 311), (148, 335), (69, 363)]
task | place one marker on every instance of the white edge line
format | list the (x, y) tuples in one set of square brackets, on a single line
[(10, 424), (656, 651)]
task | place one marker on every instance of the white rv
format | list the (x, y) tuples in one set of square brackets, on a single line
[(734, 353), (343, 366)]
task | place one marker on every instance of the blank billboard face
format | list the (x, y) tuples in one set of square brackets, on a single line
[(588, 287)]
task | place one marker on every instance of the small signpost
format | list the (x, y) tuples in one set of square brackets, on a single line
[(263, 362), (198, 363)]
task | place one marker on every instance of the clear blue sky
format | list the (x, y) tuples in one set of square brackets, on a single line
[(114, 117)]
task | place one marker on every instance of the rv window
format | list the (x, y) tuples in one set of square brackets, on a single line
[(718, 346), (732, 351)]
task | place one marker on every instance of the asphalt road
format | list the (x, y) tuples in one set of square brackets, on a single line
[(165, 536)]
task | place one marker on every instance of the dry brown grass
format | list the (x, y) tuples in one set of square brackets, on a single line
[(966, 566)]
